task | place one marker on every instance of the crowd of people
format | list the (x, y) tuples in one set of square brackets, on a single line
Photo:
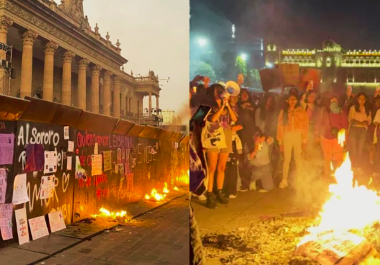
[(244, 144)]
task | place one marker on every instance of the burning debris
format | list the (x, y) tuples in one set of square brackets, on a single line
[(176, 189), (166, 188), (120, 216), (154, 195)]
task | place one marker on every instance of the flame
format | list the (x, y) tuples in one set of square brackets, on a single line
[(341, 137), (105, 213), (184, 179), (350, 207), (155, 195), (165, 190), (176, 189)]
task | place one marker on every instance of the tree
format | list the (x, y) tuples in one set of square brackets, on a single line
[(242, 65), (253, 78), (201, 68)]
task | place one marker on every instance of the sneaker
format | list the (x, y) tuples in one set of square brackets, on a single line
[(283, 184), (252, 185), (242, 189), (263, 191), (200, 197), (233, 196)]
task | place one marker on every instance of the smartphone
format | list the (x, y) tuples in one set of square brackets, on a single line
[(200, 115)]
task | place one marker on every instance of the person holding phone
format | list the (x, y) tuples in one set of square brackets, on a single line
[(221, 115)]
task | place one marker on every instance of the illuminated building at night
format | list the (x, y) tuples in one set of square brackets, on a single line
[(356, 68)]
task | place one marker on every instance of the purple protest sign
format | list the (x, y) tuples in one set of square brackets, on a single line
[(34, 157), (6, 148)]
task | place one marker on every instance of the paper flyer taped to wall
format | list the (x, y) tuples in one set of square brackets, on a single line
[(6, 148), (66, 133), (107, 160), (20, 194), (96, 165), (70, 146), (6, 211), (22, 226), (47, 187), (51, 161), (96, 149), (80, 173), (3, 184), (69, 161)]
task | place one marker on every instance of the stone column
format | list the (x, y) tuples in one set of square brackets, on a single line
[(116, 97), (157, 102), (150, 103), (66, 77), (107, 93), (95, 88), (82, 64), (5, 23), (47, 87), (28, 38)]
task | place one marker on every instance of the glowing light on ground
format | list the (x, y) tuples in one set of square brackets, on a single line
[(165, 190), (176, 189), (154, 195), (106, 213)]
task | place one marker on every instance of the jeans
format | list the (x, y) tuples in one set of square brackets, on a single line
[(263, 173), (292, 141), (356, 141)]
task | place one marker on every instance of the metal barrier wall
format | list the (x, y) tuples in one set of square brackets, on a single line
[(139, 158)]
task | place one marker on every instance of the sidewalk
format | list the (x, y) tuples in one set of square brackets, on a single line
[(160, 236)]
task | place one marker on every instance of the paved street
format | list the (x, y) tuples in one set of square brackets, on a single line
[(159, 237)]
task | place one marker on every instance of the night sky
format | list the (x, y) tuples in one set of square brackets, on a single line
[(296, 23)]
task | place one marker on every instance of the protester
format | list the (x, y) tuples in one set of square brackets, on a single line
[(217, 151), (265, 115), (330, 122), (376, 136), (372, 130), (259, 161), (292, 133), (359, 119), (347, 101)]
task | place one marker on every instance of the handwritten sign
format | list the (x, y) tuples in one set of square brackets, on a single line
[(96, 164), (34, 157), (270, 79), (22, 226), (66, 134), (47, 187), (20, 194), (6, 148), (56, 221), (290, 73), (70, 146), (69, 165), (38, 227), (51, 160), (80, 173), (6, 221), (3, 184), (107, 160)]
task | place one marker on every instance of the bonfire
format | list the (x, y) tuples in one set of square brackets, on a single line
[(343, 220)]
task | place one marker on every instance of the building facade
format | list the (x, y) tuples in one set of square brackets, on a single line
[(57, 56), (339, 67)]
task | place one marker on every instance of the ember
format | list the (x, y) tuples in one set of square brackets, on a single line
[(341, 137), (176, 189)]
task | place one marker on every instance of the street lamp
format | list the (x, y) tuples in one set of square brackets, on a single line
[(243, 56), (269, 65), (202, 42)]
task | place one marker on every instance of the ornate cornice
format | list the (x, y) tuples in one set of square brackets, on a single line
[(96, 69)]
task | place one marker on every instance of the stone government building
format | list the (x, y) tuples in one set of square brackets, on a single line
[(339, 68), (58, 57)]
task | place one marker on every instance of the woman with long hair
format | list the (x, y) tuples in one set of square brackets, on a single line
[(359, 119), (221, 116), (292, 133), (330, 122), (265, 115)]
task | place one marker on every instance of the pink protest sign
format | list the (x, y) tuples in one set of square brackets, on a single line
[(6, 221), (38, 227), (56, 221), (6, 148), (22, 226)]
